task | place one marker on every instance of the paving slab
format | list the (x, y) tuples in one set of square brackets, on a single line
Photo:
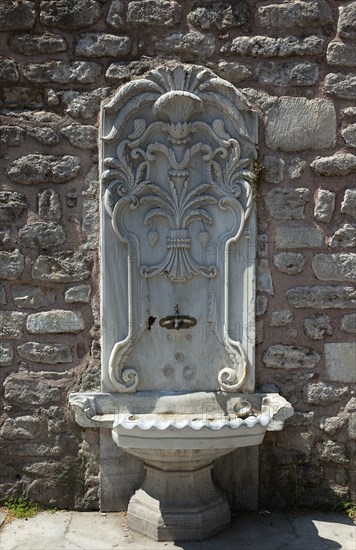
[(248, 531)]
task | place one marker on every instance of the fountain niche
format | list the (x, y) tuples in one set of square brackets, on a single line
[(178, 234)]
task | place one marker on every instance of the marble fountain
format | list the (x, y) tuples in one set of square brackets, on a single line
[(178, 233)]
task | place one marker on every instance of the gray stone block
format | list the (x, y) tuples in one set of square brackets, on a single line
[(331, 451), (12, 264), (281, 317), (295, 73), (349, 135), (265, 47), (102, 45), (6, 354), (116, 14), (340, 164), (191, 45), (11, 325), (11, 136), (148, 13), (62, 72), (346, 26), (333, 424), (33, 297), (38, 44), (219, 16), (45, 353), (290, 357), (8, 70), (342, 54), (287, 204), (348, 323), (12, 206), (289, 262), (296, 168), (340, 361), (84, 137), (318, 326), (322, 297), (233, 72), (293, 16), (66, 14), (37, 169), (44, 135), (341, 85), (65, 267), (42, 235), (30, 393), (78, 294), (49, 205), (84, 105), (335, 267), (298, 237), (16, 15), (324, 205), (56, 321), (274, 169), (320, 393), (348, 205)]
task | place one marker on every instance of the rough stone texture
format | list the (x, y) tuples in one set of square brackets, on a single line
[(352, 426), (45, 353), (261, 304), (192, 45), (340, 361), (320, 393), (66, 14), (324, 205), (32, 297), (219, 15), (65, 267), (347, 21), (234, 72), (281, 318), (46, 136), (287, 204), (30, 393), (298, 237), (11, 265), (37, 44), (341, 85), (293, 16), (296, 168), (12, 206), (11, 136), (78, 294), (264, 279), (348, 323), (115, 17), (295, 73), (290, 263), (290, 357), (348, 205), (36, 169), (22, 427), (322, 297), (332, 424), (3, 300), (8, 70), (299, 124), (11, 325), (16, 15), (43, 235), (330, 451), (349, 135), (84, 137), (49, 206), (90, 224), (61, 72), (265, 47), (102, 45), (56, 321), (274, 169), (84, 105), (318, 326), (342, 54), (344, 237), (340, 164), (335, 267), (6, 354), (166, 13)]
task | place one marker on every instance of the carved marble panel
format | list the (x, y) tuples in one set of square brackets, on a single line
[(178, 234)]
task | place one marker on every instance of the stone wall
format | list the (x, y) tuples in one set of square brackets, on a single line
[(295, 61)]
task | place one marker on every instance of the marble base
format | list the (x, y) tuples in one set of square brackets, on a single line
[(178, 505)]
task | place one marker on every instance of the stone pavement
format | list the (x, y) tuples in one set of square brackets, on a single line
[(248, 531)]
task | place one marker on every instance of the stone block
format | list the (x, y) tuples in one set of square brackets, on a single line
[(3, 300), (8, 70), (12, 265), (294, 73), (335, 267), (45, 135), (84, 137), (264, 278), (301, 419), (287, 204), (43, 235), (11, 325), (324, 205), (64, 267), (15, 16), (154, 13), (340, 164), (21, 427), (320, 393), (341, 85), (66, 14), (116, 14), (6, 354), (32, 297), (331, 451), (274, 169), (344, 237), (45, 353), (85, 105), (38, 44), (348, 323), (346, 26), (299, 124), (349, 135), (261, 304), (290, 357), (62, 72), (191, 45), (340, 361), (102, 45), (11, 136), (298, 237), (49, 205), (333, 424), (352, 426), (296, 167), (30, 393), (5, 237), (318, 326), (233, 72), (265, 47), (12, 206), (78, 294), (293, 16), (348, 205), (322, 297), (37, 169), (90, 224), (342, 54), (56, 321), (219, 16), (281, 317)]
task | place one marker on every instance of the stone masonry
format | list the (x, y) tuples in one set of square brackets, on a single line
[(295, 62)]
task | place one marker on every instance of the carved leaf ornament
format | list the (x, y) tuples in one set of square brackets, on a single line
[(171, 129)]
